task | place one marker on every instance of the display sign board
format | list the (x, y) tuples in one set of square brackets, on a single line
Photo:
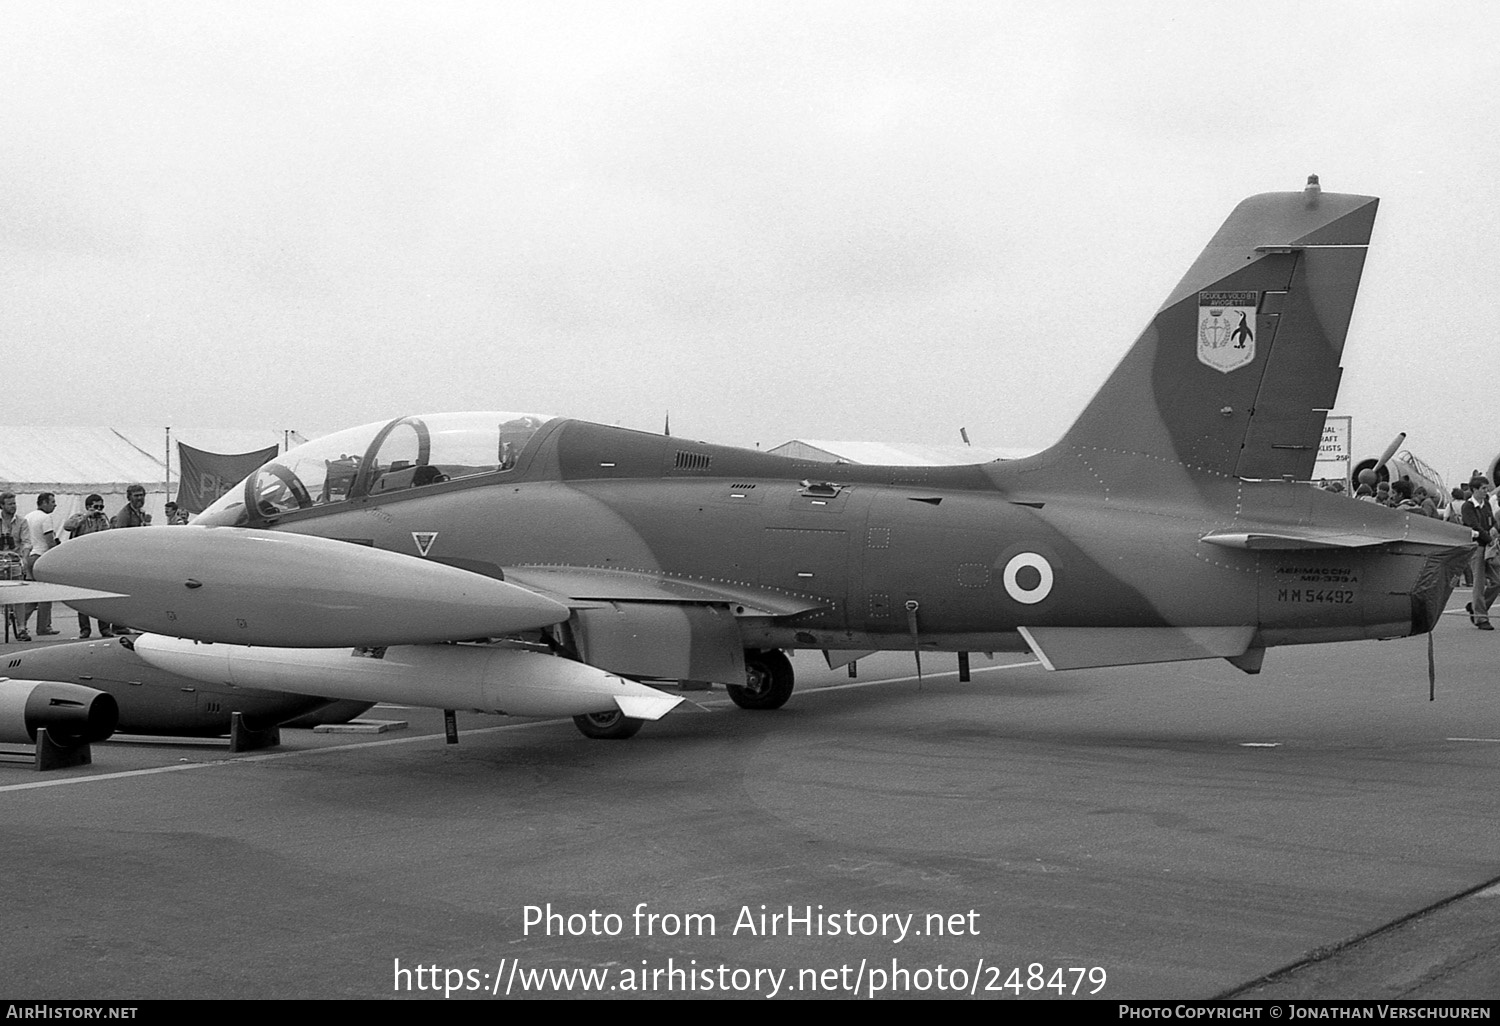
[(1335, 450)]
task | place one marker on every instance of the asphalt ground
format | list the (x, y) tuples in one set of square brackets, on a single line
[(1161, 832)]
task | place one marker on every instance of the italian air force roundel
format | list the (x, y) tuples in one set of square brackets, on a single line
[(1226, 329)]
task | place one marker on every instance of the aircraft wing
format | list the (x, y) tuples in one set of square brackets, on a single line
[(13, 593), (645, 624), (577, 587), (279, 589), (650, 624)]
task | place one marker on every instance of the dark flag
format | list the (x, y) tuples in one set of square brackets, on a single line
[(208, 475)]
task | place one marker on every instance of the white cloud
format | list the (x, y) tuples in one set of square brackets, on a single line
[(857, 219)]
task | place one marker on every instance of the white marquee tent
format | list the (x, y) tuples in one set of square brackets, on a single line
[(896, 454), (72, 462)]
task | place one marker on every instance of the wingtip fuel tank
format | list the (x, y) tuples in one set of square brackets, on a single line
[(272, 588)]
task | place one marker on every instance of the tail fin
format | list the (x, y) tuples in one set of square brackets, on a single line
[(1240, 365)]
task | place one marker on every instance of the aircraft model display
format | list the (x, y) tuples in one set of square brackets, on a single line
[(1172, 521), (70, 713), (152, 701)]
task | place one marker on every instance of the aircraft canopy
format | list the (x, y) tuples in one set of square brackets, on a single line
[(375, 459)]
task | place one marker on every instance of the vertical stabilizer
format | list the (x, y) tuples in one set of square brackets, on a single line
[(1235, 373)]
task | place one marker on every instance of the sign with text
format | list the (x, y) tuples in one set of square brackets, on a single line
[(1335, 450)]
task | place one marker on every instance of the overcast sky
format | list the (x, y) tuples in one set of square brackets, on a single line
[(865, 220)]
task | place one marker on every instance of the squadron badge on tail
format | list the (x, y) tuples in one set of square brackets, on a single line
[(1226, 329)]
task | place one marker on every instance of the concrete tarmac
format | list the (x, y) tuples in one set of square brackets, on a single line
[(1161, 832)]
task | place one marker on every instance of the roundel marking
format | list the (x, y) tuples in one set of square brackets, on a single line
[(1025, 591)]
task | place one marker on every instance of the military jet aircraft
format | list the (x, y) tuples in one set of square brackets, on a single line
[(1173, 521)]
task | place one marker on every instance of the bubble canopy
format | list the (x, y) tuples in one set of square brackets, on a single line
[(378, 459)]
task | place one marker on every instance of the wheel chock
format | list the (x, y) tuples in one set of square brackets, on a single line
[(247, 739), (50, 755)]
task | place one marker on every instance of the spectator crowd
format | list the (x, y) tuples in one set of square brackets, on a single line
[(23, 539)]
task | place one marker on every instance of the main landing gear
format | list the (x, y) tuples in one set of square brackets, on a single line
[(768, 680), (768, 684)]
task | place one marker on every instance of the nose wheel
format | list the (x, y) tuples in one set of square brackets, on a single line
[(607, 726), (768, 680)]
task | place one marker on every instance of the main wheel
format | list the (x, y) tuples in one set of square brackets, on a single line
[(607, 726), (768, 681)]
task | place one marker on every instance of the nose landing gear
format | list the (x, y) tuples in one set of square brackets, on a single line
[(607, 726)]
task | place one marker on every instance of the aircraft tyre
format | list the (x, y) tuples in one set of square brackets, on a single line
[(607, 726), (768, 680)]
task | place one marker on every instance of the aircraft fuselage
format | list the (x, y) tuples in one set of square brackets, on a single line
[(1172, 521), (979, 551)]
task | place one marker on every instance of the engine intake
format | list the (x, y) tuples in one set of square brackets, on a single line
[(72, 713)]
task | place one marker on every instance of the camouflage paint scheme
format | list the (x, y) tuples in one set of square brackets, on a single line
[(1172, 521)]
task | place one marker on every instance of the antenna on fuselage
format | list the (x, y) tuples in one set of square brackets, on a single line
[(912, 605)]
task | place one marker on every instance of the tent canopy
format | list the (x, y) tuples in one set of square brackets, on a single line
[(896, 454), (72, 462)]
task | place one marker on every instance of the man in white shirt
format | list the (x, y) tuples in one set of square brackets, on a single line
[(42, 536)]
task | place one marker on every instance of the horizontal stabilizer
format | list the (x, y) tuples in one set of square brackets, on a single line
[(1296, 538), (1076, 648), (640, 707)]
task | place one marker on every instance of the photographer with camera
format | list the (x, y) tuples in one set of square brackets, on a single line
[(92, 519)]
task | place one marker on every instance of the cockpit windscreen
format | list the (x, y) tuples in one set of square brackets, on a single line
[(378, 459)]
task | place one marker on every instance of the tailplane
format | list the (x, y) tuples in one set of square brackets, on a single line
[(1236, 372)]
